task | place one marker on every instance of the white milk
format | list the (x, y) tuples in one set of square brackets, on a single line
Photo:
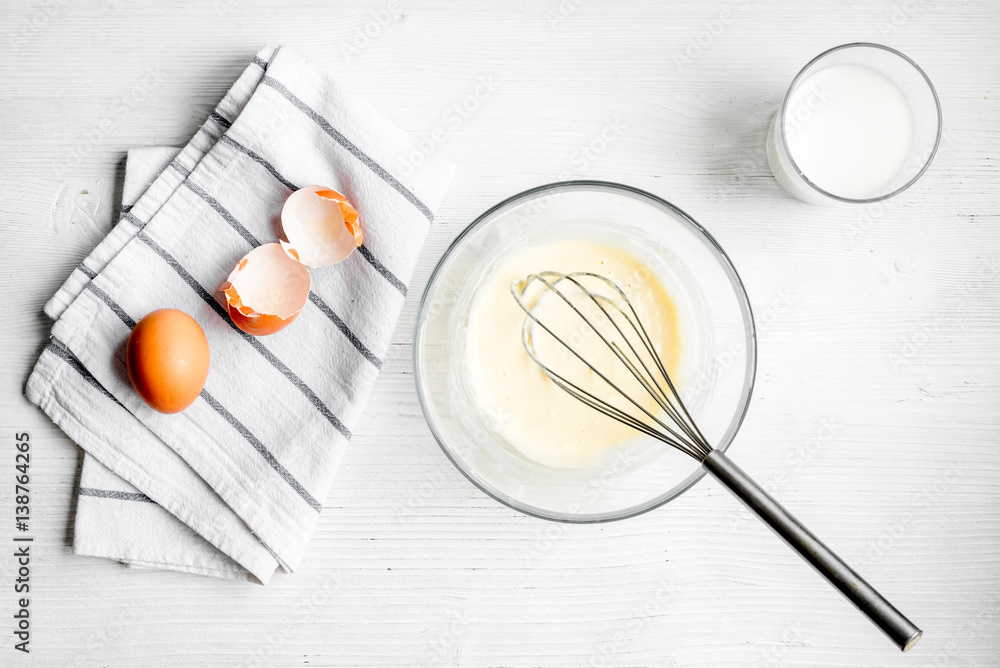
[(850, 130)]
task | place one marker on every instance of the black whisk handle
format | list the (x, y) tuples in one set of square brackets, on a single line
[(882, 613)]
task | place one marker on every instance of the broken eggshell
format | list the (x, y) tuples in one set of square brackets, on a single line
[(270, 285), (266, 291), (321, 226)]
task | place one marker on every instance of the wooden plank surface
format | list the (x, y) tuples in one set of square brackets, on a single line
[(889, 335)]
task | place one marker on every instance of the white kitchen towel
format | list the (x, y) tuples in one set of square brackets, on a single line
[(270, 426), (114, 520)]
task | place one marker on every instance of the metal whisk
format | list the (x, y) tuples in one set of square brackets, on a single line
[(609, 316)]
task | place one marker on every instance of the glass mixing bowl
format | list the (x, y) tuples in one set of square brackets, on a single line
[(718, 344)]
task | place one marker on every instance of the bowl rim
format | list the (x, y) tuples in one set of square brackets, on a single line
[(782, 110), (749, 374)]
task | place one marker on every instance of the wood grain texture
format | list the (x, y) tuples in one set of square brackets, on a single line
[(882, 322)]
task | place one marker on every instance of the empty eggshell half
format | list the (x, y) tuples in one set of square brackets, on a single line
[(266, 291), (321, 226)]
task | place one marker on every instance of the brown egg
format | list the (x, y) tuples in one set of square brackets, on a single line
[(167, 358)]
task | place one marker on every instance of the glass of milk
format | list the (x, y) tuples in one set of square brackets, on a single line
[(860, 123)]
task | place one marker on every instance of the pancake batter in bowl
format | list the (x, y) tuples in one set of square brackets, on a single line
[(519, 402)]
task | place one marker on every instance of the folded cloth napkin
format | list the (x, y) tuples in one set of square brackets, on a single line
[(115, 520), (245, 467)]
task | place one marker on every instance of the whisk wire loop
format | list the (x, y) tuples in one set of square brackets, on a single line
[(680, 431)]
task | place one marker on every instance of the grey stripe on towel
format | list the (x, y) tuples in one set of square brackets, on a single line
[(59, 351), (349, 145), (181, 168), (118, 311), (222, 211), (264, 452), (115, 494), (259, 160), (220, 119)]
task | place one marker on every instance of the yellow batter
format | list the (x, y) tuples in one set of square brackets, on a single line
[(522, 404)]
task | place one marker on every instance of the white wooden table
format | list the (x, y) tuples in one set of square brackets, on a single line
[(875, 417)]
